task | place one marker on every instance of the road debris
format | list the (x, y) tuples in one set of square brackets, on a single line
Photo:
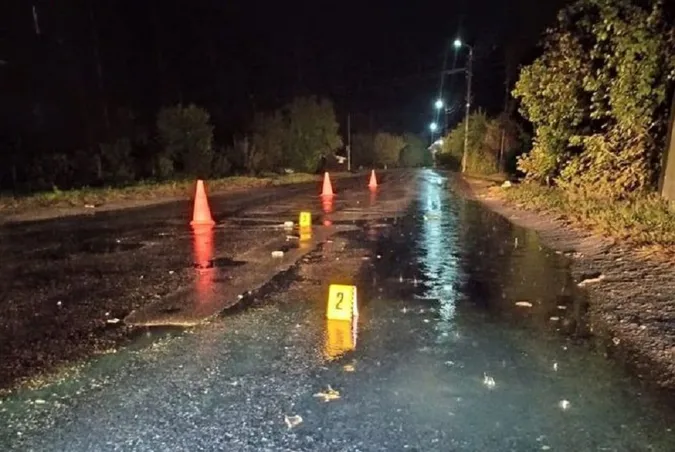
[(587, 281), (489, 381), (292, 421), (524, 304), (328, 395), (277, 254)]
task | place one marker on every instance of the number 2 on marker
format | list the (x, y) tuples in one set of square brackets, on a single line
[(340, 298)]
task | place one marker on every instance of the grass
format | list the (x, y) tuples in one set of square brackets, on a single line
[(142, 191), (643, 221)]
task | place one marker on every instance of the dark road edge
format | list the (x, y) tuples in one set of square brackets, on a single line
[(650, 359)]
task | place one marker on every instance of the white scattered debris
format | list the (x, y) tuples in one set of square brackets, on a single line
[(59, 304), (562, 308), (171, 272), (277, 254), (489, 381), (555, 367), (507, 184), (379, 256), (554, 319), (348, 368), (288, 224), (113, 321), (89, 206), (515, 242), (588, 281), (524, 304), (292, 421), (616, 341), (40, 402), (564, 404), (328, 395)]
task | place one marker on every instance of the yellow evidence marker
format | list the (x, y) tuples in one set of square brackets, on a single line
[(305, 220), (341, 302)]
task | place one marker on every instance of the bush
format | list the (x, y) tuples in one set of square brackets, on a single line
[(187, 137), (387, 148), (598, 98), (116, 161)]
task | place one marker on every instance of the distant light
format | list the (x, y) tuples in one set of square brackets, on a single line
[(439, 104), (440, 142), (457, 43), (433, 126)]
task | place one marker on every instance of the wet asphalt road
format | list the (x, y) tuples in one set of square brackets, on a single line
[(62, 281), (443, 360)]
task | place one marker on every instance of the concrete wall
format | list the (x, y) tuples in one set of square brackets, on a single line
[(667, 180)]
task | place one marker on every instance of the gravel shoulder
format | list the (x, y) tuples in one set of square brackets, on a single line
[(631, 294)]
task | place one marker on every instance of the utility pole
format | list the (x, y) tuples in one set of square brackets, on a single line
[(469, 70), (349, 142)]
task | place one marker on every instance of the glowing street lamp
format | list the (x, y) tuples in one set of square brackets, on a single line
[(433, 126), (438, 104), (458, 45)]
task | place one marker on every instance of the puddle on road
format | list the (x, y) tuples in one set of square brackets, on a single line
[(442, 358)]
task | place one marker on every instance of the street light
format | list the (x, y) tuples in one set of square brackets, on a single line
[(459, 44), (433, 126), (439, 104)]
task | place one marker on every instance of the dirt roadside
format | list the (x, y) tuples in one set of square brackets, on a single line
[(631, 296)]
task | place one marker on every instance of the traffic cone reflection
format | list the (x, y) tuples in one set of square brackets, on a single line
[(327, 206), (201, 215), (327, 186), (203, 248)]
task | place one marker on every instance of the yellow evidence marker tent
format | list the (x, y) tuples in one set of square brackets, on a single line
[(305, 220), (341, 302)]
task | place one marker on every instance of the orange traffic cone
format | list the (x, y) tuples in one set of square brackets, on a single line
[(373, 180), (202, 213), (327, 187)]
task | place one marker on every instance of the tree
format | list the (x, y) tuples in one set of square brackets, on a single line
[(312, 132), (363, 149), (597, 98), (387, 148), (187, 137), (415, 153), (268, 139)]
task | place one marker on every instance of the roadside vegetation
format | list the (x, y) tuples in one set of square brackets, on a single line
[(597, 100), (291, 144), (493, 145)]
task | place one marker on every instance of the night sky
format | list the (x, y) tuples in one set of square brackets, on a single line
[(379, 61)]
